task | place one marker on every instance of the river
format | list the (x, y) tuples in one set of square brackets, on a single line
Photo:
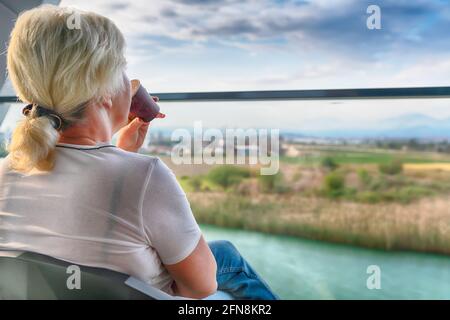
[(304, 269)]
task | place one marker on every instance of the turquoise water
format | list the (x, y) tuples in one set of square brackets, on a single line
[(303, 269)]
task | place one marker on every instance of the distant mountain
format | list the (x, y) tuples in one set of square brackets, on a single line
[(410, 120), (413, 125)]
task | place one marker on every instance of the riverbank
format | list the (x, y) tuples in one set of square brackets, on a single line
[(423, 225), (369, 199)]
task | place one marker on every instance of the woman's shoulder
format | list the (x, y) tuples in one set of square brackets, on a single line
[(134, 157), (157, 173)]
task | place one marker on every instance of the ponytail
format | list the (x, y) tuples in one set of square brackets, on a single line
[(33, 144)]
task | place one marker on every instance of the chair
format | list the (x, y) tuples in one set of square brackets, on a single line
[(27, 275)]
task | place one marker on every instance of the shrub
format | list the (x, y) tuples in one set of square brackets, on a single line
[(368, 197), (411, 193), (227, 176), (364, 177), (329, 163), (381, 183), (334, 184), (273, 183), (391, 168), (196, 182), (247, 187), (297, 176), (401, 195)]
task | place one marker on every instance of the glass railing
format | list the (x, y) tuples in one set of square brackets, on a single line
[(364, 168)]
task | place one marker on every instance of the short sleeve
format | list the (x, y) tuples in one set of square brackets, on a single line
[(167, 217)]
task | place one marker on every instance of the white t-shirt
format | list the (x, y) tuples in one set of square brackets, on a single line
[(103, 207)]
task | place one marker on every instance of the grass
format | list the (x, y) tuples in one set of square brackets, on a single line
[(421, 226), (361, 157), (235, 212), (367, 199)]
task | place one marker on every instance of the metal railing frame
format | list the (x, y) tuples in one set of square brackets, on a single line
[(275, 95)]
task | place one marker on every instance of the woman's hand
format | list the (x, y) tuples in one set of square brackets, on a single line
[(132, 136)]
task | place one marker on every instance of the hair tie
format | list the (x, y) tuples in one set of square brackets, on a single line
[(56, 120)]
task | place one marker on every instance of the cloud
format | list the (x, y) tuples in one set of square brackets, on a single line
[(215, 45), (266, 44), (203, 2), (169, 12), (118, 5), (338, 25)]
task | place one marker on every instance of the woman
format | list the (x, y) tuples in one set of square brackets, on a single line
[(67, 192)]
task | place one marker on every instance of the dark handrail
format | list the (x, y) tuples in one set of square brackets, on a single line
[(321, 94)]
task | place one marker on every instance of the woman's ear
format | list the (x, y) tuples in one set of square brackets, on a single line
[(106, 102)]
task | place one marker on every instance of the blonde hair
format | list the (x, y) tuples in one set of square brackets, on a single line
[(60, 66)]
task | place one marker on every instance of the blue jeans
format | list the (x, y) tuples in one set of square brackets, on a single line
[(235, 275)]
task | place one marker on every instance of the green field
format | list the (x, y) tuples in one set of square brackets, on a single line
[(364, 157)]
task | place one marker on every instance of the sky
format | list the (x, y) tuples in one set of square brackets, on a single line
[(227, 45)]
